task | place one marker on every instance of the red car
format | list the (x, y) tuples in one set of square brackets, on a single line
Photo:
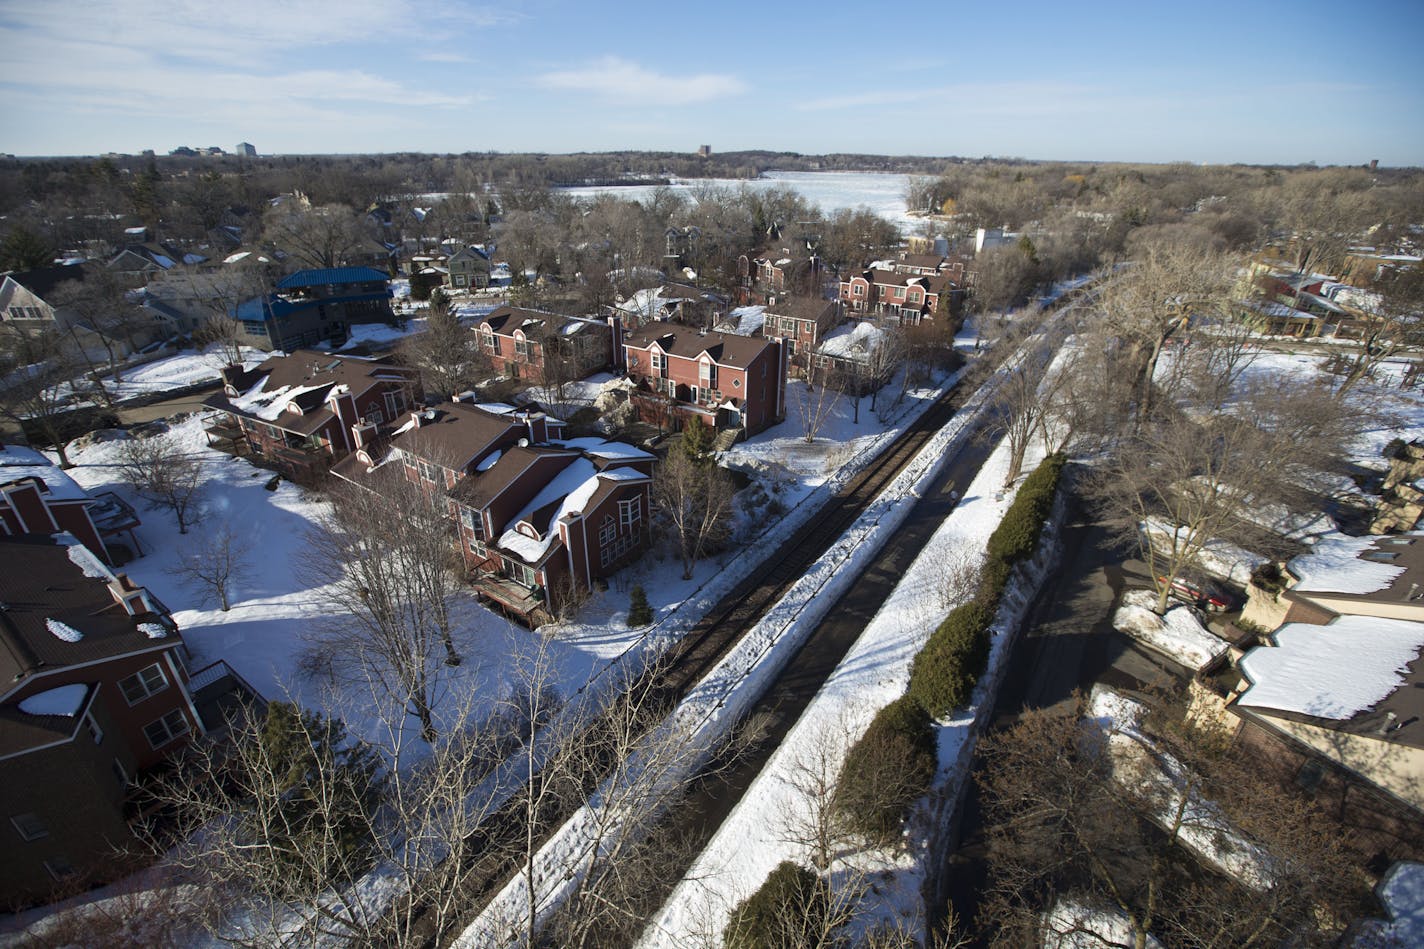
[(1200, 595)]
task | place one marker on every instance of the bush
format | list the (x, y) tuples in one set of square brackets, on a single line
[(887, 770), (943, 674), (788, 911), (639, 612), (1016, 536)]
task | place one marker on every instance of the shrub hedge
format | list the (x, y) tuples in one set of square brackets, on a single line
[(788, 911), (887, 770), (943, 675)]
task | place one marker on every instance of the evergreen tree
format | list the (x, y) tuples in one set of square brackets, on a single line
[(640, 613)]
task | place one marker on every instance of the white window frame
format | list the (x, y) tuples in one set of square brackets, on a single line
[(171, 731), (142, 680), (630, 510)]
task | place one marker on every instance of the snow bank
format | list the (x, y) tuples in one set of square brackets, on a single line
[(1219, 558), (1178, 634), (1402, 893), (1203, 829), (1073, 925), (1334, 671)]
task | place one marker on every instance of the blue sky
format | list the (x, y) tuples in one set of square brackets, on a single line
[(1259, 82)]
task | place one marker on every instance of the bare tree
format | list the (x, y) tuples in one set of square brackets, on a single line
[(815, 403), (100, 303), (165, 475), (446, 353), (384, 564), (319, 237), (216, 563), (1022, 400), (279, 821), (697, 498), (1078, 811), (1396, 324), (45, 384)]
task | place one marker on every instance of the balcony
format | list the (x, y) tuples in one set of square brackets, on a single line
[(225, 434), (520, 602)]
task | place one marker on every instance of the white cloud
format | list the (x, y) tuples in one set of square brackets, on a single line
[(624, 82)]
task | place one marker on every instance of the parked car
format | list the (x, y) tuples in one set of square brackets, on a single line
[(1206, 596)]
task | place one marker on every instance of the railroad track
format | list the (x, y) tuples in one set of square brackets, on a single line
[(495, 863)]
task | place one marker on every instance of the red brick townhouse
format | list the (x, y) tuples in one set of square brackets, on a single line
[(539, 347), (302, 412), (802, 323), (732, 383), (37, 497), (94, 692), (905, 297), (540, 516)]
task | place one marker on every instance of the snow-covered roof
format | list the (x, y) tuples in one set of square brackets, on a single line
[(593, 445), (18, 462), (1402, 894), (852, 342), (744, 320), (1334, 671), (66, 700), (1334, 565), (575, 485)]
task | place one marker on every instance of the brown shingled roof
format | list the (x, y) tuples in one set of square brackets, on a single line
[(38, 582), (726, 348), (458, 432)]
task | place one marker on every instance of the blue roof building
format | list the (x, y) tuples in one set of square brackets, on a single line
[(311, 306)]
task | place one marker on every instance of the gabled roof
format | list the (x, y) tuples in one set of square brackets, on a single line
[(454, 432), (724, 348), (18, 462), (477, 492), (333, 275), (536, 323), (42, 281), (307, 377), (59, 611)]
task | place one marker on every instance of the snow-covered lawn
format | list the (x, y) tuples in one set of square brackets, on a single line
[(1178, 634), (1219, 558)]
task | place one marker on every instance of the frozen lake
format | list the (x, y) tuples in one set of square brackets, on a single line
[(830, 190)]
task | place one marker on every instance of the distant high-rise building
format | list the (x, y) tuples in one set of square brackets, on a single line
[(705, 151), (246, 150)]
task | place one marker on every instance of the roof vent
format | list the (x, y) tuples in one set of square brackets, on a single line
[(523, 443)]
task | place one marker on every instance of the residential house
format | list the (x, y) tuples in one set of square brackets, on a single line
[(733, 383), (852, 356), (931, 265), (672, 302), (39, 498), (96, 693), (1342, 576), (38, 302), (301, 413), (541, 518), (314, 305), (906, 298), (546, 347), (802, 323), (786, 271), (1339, 708), (1401, 502), (1336, 695), (142, 262), (426, 273), (469, 268)]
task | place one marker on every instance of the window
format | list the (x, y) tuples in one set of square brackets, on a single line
[(630, 512), (163, 730), (521, 574), (254, 327), (672, 389), (59, 867), (143, 683), (29, 826), (659, 362), (857, 290), (736, 383), (619, 547), (375, 416), (428, 471), (521, 347), (608, 533), (693, 394)]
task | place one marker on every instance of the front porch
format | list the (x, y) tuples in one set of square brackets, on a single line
[(514, 600), (225, 435)]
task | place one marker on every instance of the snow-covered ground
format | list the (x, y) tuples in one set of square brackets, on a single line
[(1219, 558), (1177, 634)]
